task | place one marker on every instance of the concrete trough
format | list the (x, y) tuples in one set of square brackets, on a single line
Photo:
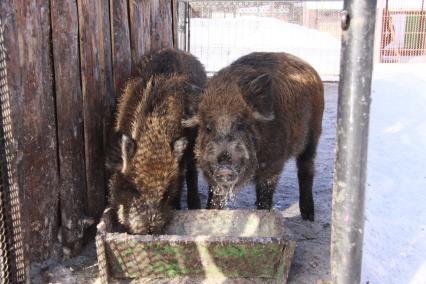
[(239, 246)]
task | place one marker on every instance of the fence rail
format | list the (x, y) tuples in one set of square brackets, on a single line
[(403, 36)]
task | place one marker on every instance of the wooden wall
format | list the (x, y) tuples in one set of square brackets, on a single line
[(67, 62)]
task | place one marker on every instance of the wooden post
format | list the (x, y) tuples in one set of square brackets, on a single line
[(120, 37), (175, 23), (140, 28), (69, 106), (181, 25), (161, 24), (27, 40), (97, 89)]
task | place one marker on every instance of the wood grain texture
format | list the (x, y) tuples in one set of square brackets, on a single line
[(69, 106), (27, 38), (140, 28), (174, 23), (161, 24), (97, 90), (83, 62), (120, 37)]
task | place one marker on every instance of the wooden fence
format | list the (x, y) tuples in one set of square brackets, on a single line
[(67, 61)]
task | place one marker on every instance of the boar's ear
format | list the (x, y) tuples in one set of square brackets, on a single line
[(257, 92), (128, 148)]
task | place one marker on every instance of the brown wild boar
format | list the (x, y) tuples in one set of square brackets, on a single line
[(154, 147), (254, 115)]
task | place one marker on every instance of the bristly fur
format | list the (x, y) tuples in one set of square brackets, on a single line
[(269, 105), (149, 114)]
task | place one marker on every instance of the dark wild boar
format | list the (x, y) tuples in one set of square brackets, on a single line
[(254, 115), (154, 147)]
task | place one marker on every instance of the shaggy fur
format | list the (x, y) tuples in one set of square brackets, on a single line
[(154, 147), (254, 115)]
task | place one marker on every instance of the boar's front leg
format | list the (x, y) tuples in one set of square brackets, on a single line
[(192, 175), (215, 200), (192, 184), (265, 189)]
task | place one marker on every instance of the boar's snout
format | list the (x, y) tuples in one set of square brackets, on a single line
[(225, 175), (227, 162)]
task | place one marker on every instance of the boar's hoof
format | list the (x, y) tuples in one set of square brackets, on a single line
[(308, 212)]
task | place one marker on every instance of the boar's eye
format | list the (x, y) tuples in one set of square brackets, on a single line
[(240, 126), (208, 128)]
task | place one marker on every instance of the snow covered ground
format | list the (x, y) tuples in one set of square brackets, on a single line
[(395, 227), (219, 41)]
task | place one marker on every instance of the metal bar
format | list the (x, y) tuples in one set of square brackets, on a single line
[(259, 1), (188, 27), (358, 20), (181, 25), (185, 25)]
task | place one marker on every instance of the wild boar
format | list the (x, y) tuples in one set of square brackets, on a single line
[(254, 115), (154, 147)]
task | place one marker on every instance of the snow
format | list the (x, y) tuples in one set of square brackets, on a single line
[(219, 41), (395, 227)]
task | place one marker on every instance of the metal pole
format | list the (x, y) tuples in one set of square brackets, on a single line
[(358, 19), (181, 25), (188, 27)]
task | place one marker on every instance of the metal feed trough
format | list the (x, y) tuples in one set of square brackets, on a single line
[(242, 246)]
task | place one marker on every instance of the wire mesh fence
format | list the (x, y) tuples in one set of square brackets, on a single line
[(13, 268), (218, 32), (403, 31)]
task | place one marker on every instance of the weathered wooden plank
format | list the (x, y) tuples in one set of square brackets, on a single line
[(175, 23), (69, 106), (97, 90), (161, 24), (140, 28), (33, 119), (106, 64), (120, 37)]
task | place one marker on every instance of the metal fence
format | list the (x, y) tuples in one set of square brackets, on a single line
[(403, 31), (218, 32), (13, 268)]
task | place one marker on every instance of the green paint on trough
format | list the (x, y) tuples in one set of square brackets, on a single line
[(235, 244), (230, 251)]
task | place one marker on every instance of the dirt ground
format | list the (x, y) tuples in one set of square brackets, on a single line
[(312, 255)]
